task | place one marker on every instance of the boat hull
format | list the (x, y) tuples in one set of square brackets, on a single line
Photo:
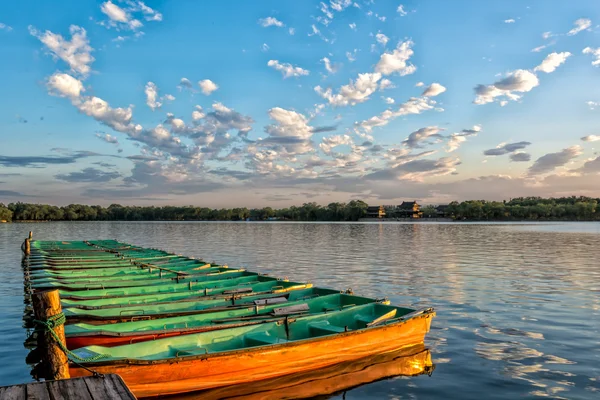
[(193, 373)]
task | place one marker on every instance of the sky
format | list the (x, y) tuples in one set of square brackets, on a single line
[(270, 103)]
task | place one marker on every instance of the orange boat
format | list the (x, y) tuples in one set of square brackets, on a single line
[(246, 354), (410, 361)]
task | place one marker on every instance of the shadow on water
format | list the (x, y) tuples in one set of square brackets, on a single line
[(324, 382)]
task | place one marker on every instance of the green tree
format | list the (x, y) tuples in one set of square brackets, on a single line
[(5, 213)]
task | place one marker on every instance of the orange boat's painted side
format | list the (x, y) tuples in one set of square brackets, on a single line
[(411, 361), (186, 374)]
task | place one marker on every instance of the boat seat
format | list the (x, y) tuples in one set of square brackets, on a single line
[(365, 320), (324, 328), (261, 339)]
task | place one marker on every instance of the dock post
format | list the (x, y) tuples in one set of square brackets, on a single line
[(46, 305), (27, 247), (30, 235)]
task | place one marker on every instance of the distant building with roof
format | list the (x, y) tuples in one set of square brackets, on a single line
[(409, 209), (375, 212)]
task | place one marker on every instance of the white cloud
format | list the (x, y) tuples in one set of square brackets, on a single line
[(519, 81), (151, 92), (552, 61), (351, 56), (64, 85), (414, 105), (396, 61), (75, 52), (433, 90), (316, 31), (114, 12), (120, 18), (185, 83), (207, 86), (270, 21), (287, 70), (353, 93), (5, 27), (595, 53), (264, 47), (331, 68), (580, 25), (292, 31), (290, 134), (456, 139), (340, 5), (591, 138), (400, 10), (352, 26), (389, 100), (386, 84), (419, 84), (509, 21), (382, 39), (592, 104), (549, 162), (150, 14), (329, 143), (540, 48), (169, 97), (198, 114), (416, 138), (107, 138)]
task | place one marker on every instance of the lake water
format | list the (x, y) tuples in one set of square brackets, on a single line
[(518, 305)]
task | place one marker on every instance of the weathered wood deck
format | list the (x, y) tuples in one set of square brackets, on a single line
[(89, 388)]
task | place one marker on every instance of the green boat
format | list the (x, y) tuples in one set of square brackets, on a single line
[(214, 274), (138, 273), (168, 287), (79, 335), (176, 305), (126, 269)]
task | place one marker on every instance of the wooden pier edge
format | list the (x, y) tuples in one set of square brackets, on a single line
[(103, 387)]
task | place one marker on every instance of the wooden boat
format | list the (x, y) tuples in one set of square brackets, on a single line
[(236, 292), (131, 273), (80, 335), (95, 290), (131, 269), (85, 284), (238, 355), (186, 305), (410, 361)]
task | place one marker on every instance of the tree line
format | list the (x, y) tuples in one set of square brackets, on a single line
[(351, 211), (522, 208)]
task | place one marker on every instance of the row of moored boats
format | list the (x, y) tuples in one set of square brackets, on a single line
[(170, 324)]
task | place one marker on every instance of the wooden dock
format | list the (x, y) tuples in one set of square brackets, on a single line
[(102, 387)]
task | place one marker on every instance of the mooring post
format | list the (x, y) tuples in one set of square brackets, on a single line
[(27, 247), (46, 305), (30, 235)]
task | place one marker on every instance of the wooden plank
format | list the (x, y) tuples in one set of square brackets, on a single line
[(12, 392), (298, 308), (37, 391), (117, 388), (68, 389)]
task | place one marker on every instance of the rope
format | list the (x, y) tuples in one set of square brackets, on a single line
[(58, 320)]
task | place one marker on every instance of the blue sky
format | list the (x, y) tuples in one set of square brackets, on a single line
[(278, 103)]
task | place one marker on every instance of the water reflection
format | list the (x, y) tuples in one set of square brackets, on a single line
[(412, 361)]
